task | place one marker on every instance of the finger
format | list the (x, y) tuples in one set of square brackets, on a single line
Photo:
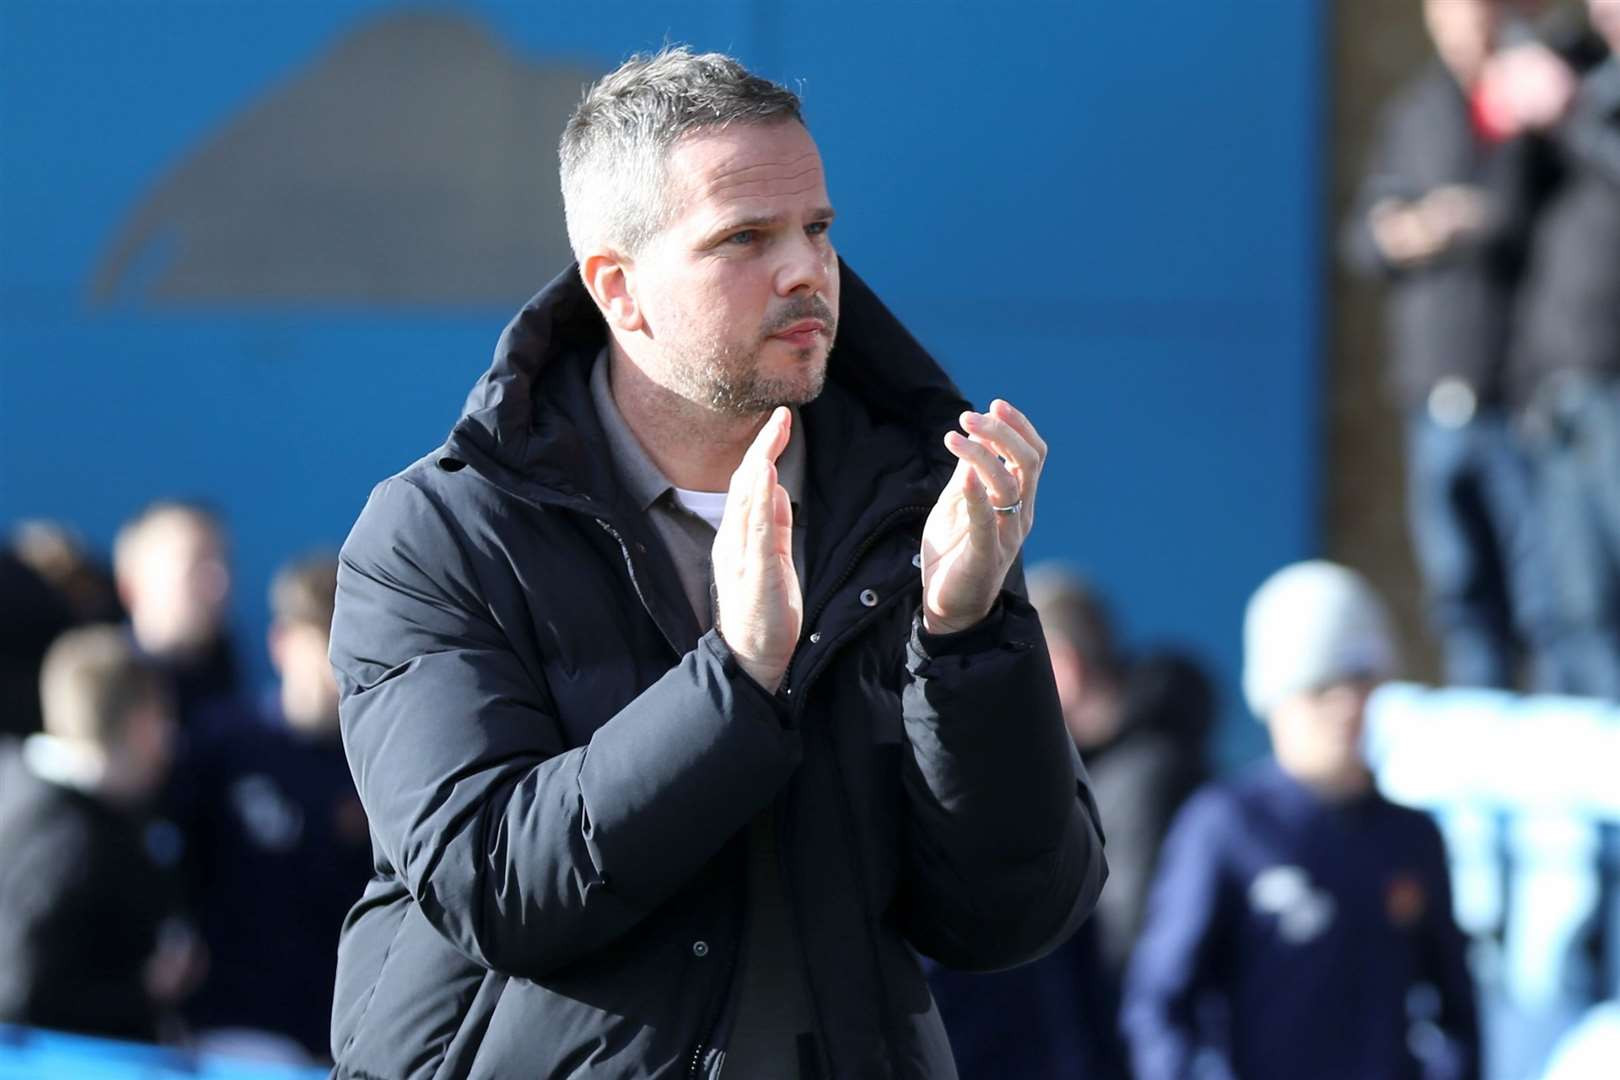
[(734, 519), (773, 437), (768, 444), (782, 518), (761, 497), (976, 499), (1005, 440), (762, 532), (997, 481), (1006, 411), (749, 490)]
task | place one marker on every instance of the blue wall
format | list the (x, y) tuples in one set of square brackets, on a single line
[(1105, 212)]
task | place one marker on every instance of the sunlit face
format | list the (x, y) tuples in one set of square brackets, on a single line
[(298, 651), (739, 292), (177, 584), (1089, 702), (1317, 733), (1463, 31)]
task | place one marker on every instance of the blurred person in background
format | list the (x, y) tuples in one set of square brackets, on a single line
[(1566, 367), (1141, 727), (50, 583), (1443, 217), (276, 841), (35, 615), (171, 565), (1054, 1017), (1300, 924), (88, 937), (61, 558)]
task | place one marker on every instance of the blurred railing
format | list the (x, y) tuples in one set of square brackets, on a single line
[(1527, 792), (32, 1054)]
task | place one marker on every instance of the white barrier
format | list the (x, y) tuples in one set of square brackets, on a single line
[(1523, 788)]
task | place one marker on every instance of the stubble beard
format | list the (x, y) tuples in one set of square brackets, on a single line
[(728, 377)]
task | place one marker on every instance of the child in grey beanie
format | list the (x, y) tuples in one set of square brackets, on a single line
[(1293, 901)]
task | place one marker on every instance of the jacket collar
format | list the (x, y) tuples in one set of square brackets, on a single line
[(529, 424)]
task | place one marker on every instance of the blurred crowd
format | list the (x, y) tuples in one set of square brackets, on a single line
[(176, 856), (1288, 920), (1491, 210), (177, 853)]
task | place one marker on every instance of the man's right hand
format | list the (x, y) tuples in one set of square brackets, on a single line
[(759, 607), (1411, 232)]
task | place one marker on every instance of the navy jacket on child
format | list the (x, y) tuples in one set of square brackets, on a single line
[(1289, 937)]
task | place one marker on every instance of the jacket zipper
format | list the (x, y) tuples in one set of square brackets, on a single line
[(851, 840), (695, 1065), (718, 1010), (883, 528)]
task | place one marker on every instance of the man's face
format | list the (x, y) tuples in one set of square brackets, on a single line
[(179, 583), (298, 652), (1090, 704), (739, 291), (1463, 31)]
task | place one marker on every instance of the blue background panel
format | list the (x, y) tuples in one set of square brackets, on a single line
[(1107, 213)]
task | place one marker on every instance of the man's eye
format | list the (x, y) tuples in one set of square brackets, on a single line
[(818, 228), (743, 238)]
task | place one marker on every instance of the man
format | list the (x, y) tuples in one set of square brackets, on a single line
[(276, 840), (1566, 365), (86, 894), (172, 575), (1296, 911), (1442, 218), (612, 839), (1141, 725)]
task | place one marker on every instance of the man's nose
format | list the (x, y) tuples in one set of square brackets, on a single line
[(807, 265)]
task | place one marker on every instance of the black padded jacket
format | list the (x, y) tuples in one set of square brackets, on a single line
[(559, 769)]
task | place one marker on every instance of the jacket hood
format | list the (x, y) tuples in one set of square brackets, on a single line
[(530, 414)]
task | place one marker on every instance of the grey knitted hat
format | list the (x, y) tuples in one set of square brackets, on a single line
[(1311, 624)]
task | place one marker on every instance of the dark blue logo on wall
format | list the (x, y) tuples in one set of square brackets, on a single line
[(412, 164)]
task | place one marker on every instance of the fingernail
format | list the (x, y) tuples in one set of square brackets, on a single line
[(969, 419)]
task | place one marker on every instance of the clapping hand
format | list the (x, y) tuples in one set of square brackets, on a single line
[(758, 606), (980, 522)]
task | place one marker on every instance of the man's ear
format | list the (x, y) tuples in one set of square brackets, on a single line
[(610, 279)]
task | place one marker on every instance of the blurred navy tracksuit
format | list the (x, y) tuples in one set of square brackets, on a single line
[(1054, 1017), (1285, 937), (277, 852)]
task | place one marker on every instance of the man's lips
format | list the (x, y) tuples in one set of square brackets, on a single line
[(802, 332)]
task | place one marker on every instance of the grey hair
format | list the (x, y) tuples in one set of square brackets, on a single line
[(615, 145)]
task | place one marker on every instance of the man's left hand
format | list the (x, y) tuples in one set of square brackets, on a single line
[(968, 544)]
